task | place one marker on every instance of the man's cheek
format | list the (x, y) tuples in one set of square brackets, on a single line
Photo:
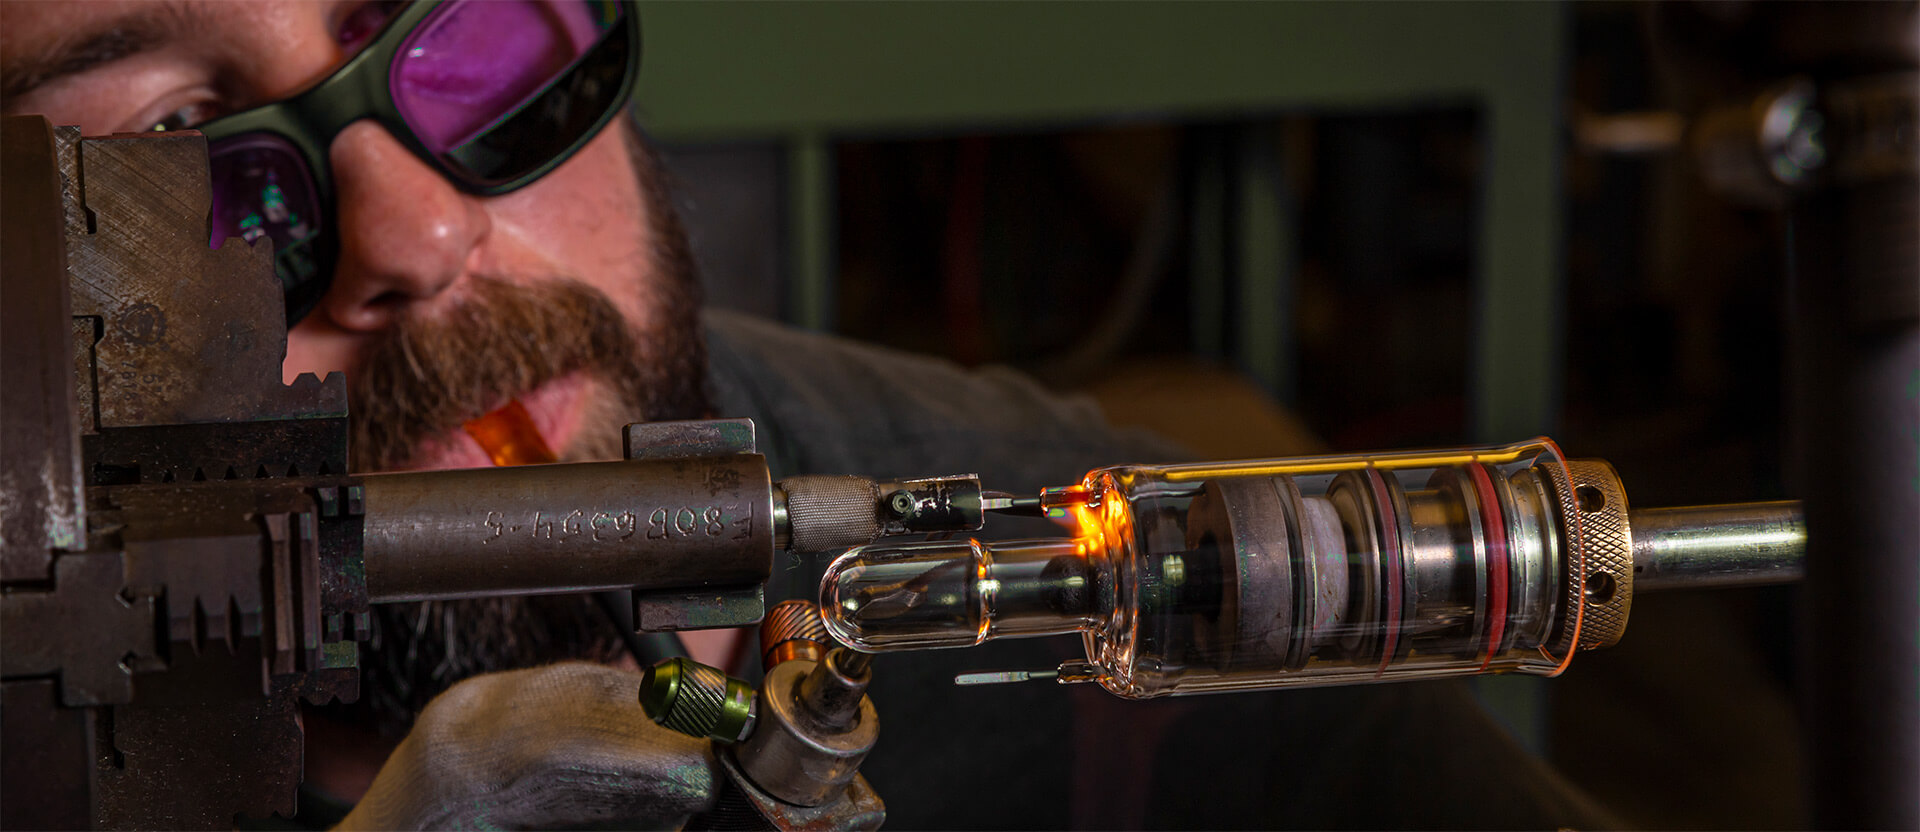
[(586, 220), (602, 414)]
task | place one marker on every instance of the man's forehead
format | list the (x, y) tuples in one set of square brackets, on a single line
[(43, 40)]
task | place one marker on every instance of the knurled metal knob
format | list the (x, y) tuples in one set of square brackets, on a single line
[(697, 700), (793, 630), (1599, 558)]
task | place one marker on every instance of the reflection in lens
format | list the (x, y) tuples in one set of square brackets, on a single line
[(556, 120), (474, 62), (261, 188)]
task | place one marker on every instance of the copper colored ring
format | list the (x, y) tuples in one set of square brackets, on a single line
[(793, 630), (1603, 591)]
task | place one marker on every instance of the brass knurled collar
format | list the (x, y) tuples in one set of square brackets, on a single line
[(794, 618), (1604, 587), (793, 630)]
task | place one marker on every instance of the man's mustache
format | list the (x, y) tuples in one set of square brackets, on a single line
[(434, 371)]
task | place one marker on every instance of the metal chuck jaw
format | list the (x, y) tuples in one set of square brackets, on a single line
[(793, 756)]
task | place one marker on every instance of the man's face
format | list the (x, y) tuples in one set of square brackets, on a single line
[(574, 294), (422, 264)]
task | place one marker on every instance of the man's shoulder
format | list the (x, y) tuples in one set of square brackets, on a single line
[(828, 404)]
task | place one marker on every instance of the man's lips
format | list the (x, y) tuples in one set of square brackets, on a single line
[(554, 408)]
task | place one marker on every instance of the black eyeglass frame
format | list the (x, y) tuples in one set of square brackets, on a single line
[(362, 89)]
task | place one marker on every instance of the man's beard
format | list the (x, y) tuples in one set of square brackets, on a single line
[(430, 375)]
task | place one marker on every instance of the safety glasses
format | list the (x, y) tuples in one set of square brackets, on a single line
[(493, 94)]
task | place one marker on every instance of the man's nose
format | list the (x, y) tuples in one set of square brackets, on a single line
[(406, 233)]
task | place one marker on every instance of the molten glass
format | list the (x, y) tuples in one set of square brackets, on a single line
[(509, 436), (1197, 578)]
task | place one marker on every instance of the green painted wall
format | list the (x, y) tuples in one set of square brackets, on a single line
[(807, 70)]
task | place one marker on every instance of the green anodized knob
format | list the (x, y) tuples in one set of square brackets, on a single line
[(697, 700)]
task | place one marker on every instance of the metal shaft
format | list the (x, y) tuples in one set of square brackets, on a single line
[(639, 524), (1743, 544), (854, 664)]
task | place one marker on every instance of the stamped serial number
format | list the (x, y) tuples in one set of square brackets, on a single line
[(665, 523)]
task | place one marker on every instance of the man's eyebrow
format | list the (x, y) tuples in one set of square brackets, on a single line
[(142, 30)]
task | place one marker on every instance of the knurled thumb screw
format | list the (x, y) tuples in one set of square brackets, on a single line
[(697, 700)]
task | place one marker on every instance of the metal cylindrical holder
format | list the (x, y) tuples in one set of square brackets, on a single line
[(793, 630), (636, 524), (832, 693), (1745, 544), (698, 700), (815, 727), (823, 513)]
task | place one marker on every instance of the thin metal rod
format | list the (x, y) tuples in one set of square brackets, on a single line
[(1001, 677), (1742, 544), (852, 662)]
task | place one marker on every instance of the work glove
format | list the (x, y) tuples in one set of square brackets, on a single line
[(562, 745)]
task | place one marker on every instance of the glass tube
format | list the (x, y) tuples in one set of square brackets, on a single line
[(1195, 578)]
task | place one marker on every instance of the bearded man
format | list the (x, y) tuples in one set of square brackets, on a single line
[(466, 219)]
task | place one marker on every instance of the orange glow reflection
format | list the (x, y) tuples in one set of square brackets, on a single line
[(509, 436), (1101, 523)]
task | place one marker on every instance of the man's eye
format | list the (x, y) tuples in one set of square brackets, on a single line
[(365, 21), (187, 117)]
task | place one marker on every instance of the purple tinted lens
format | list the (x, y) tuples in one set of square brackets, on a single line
[(261, 188), (474, 61)]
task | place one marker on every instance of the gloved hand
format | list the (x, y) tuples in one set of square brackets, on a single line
[(562, 745)]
